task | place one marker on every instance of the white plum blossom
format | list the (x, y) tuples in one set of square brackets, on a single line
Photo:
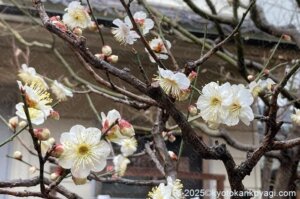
[(123, 32), (84, 151), (158, 47), (225, 104), (37, 116), (238, 106), (120, 164), (211, 103), (173, 83), (260, 85), (29, 75), (61, 92), (142, 21), (296, 117), (76, 16), (173, 190), (128, 146), (37, 97)]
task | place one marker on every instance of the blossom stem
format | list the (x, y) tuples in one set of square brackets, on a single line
[(36, 144), (11, 138), (95, 20)]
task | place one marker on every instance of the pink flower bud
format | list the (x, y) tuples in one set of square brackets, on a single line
[(13, 122), (173, 155), (17, 155), (42, 134), (106, 50), (55, 115), (126, 128), (109, 168), (192, 110), (100, 56), (113, 59), (57, 151), (79, 181), (77, 31), (192, 75)]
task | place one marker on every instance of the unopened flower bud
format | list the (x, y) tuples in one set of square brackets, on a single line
[(171, 138), (13, 122), (113, 59), (173, 155), (266, 72), (51, 141), (126, 128), (100, 56), (106, 50), (17, 155), (109, 168), (42, 134), (93, 26), (32, 169), (192, 75), (22, 124), (77, 31), (250, 77), (57, 151), (79, 181), (54, 176), (55, 115), (287, 37), (193, 110)]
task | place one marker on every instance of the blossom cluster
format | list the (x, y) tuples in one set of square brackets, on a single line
[(120, 132), (37, 95), (225, 104), (125, 34), (172, 190)]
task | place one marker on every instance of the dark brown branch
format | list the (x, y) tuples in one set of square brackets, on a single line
[(211, 17), (260, 21), (160, 145), (25, 194), (286, 144), (213, 50), (100, 80), (125, 181)]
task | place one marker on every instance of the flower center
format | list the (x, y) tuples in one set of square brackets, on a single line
[(235, 107), (215, 101), (158, 48), (77, 15), (83, 149), (140, 21)]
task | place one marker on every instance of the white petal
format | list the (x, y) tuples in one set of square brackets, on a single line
[(246, 115), (165, 73), (80, 171), (182, 80), (102, 149)]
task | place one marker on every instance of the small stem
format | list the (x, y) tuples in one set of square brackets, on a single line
[(95, 20)]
